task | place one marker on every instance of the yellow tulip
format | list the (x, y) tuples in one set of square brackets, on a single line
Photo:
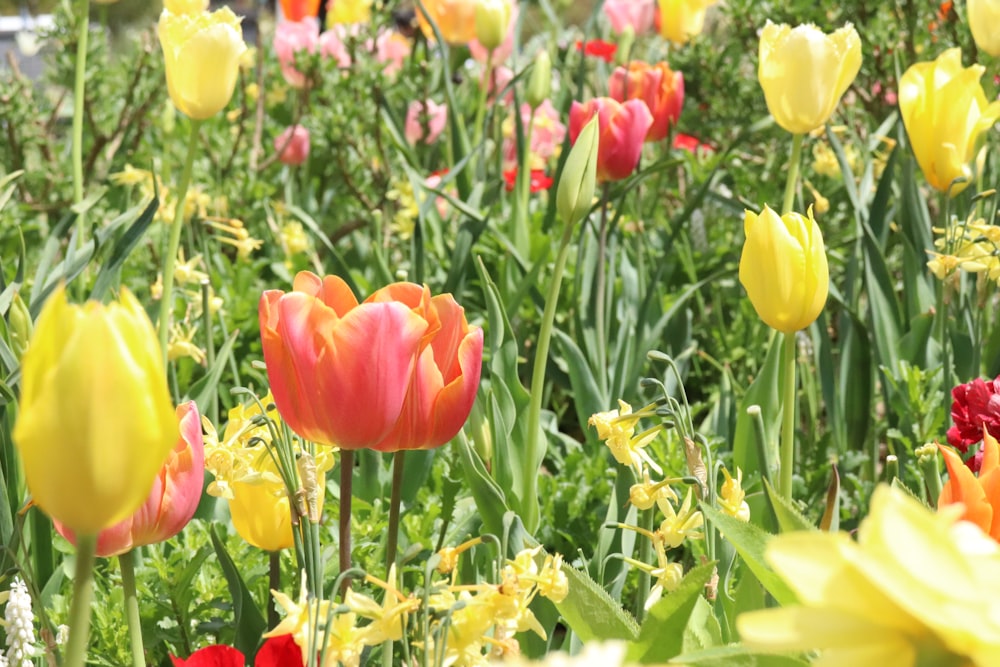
[(917, 588), (349, 12), (945, 110), (680, 20), (984, 21), (262, 515), (185, 6), (804, 72), (95, 420), (783, 268), (202, 56), (456, 19)]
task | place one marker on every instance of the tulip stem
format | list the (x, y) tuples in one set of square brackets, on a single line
[(127, 563), (79, 84), (599, 313), (83, 595), (274, 584), (793, 174), (787, 417), (398, 461), (535, 449), (170, 260), (346, 474), (645, 554)]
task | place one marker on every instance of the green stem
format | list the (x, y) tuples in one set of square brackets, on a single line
[(941, 306), (535, 448), (346, 473), (787, 417), (793, 174), (481, 106), (274, 584), (599, 315), (170, 261), (398, 462), (83, 595), (127, 562), (645, 554), (79, 83)]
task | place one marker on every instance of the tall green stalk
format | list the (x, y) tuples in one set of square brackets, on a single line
[(132, 618), (79, 84), (83, 595), (170, 261), (793, 174)]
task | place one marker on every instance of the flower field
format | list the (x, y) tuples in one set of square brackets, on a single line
[(451, 333)]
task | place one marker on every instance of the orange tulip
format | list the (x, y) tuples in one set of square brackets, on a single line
[(172, 500), (445, 380), (339, 371), (296, 10), (661, 88), (622, 131), (456, 19), (979, 495)]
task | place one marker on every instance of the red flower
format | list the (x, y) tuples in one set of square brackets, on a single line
[(598, 48), (691, 144), (539, 181), (280, 651), (975, 405)]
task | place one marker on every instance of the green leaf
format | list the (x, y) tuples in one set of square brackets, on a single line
[(750, 542), (789, 517), (248, 621), (703, 630), (122, 247), (735, 656), (591, 613), (661, 636), (489, 497), (205, 390)]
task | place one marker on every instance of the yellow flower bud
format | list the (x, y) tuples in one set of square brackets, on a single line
[(540, 82), (185, 6), (984, 21), (680, 20), (96, 421), (492, 17), (945, 110), (579, 176), (202, 57), (804, 72), (262, 514), (783, 268)]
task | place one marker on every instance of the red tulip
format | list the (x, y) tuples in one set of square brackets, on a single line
[(296, 10), (172, 500), (598, 48), (339, 371), (539, 180), (443, 386), (280, 651), (623, 129), (661, 88)]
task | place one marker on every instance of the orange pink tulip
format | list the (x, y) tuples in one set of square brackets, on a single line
[(623, 128), (980, 495), (661, 88)]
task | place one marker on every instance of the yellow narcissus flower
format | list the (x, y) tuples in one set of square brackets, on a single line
[(804, 72), (95, 420), (945, 110), (984, 21), (680, 20), (916, 589), (202, 56), (783, 268), (185, 6)]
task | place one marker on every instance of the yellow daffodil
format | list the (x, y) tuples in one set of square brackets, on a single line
[(202, 53), (945, 111), (784, 269), (95, 420), (617, 429), (731, 497), (915, 589), (804, 72)]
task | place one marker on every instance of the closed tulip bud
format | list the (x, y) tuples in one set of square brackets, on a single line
[(19, 325), (492, 17), (622, 131), (804, 72), (455, 20), (185, 6), (540, 81), (171, 502), (680, 20), (945, 111), (783, 268), (446, 377), (201, 53), (95, 420), (984, 21), (579, 176)]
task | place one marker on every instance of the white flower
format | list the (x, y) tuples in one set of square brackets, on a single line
[(19, 624)]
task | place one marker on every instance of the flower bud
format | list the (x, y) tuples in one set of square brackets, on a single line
[(540, 83), (19, 326), (492, 17), (579, 176)]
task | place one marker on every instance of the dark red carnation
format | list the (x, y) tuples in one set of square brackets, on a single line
[(974, 405)]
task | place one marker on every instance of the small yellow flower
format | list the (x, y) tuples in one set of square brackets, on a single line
[(682, 524), (617, 429), (731, 498)]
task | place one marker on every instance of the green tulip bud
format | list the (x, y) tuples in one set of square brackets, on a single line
[(20, 326), (540, 83), (579, 176), (492, 19)]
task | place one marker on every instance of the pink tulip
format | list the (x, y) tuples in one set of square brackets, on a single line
[(623, 129), (339, 371), (290, 37), (547, 135), (502, 52), (640, 15), (173, 499), (293, 145), (500, 78), (331, 45), (446, 378), (661, 88), (421, 115), (391, 49)]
